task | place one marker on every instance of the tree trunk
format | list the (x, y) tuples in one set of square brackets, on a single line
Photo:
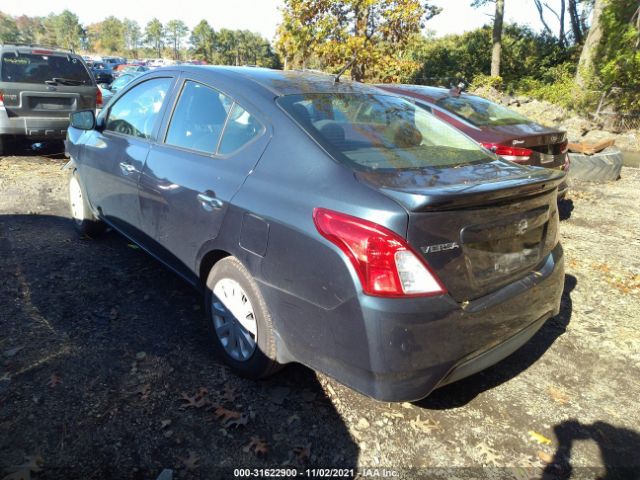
[(576, 27), (497, 39), (590, 48)]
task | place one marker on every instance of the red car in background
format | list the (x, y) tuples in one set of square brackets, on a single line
[(502, 130)]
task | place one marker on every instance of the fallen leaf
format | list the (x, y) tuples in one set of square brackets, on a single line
[(225, 415), (165, 423), (302, 454), (54, 380), (538, 437), (143, 391), (191, 462), (425, 425), (18, 475), (229, 393), (293, 418), (558, 395), (131, 245), (237, 422), (141, 355), (12, 352), (258, 445), (545, 457), (198, 400)]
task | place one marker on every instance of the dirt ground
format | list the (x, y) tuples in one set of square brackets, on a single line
[(106, 370)]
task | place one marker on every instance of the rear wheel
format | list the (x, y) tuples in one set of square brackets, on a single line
[(240, 324), (83, 218)]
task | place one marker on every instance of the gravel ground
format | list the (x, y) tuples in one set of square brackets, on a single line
[(106, 370)]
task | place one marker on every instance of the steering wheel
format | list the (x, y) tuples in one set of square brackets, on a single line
[(123, 127)]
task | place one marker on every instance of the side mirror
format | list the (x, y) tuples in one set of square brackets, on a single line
[(83, 120)]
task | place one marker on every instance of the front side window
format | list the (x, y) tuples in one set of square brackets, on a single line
[(198, 118), (41, 68), (135, 113), (481, 112), (375, 131)]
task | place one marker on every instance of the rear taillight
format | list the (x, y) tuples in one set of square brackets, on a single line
[(1, 99), (386, 265), (99, 99), (513, 154), (564, 146)]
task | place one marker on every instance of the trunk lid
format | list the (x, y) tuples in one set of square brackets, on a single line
[(548, 145), (479, 226)]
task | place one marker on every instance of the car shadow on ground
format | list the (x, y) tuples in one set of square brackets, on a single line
[(51, 149), (114, 376), (462, 392), (619, 449), (565, 208)]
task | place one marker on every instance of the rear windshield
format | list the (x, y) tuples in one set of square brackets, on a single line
[(371, 132), (481, 112), (39, 68)]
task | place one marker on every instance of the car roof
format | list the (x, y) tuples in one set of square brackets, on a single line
[(280, 82)]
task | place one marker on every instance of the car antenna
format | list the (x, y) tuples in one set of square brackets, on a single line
[(336, 77), (456, 90)]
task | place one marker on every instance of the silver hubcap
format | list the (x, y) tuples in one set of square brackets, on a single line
[(234, 319), (75, 199)]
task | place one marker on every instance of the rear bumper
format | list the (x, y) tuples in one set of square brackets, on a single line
[(34, 127), (402, 349)]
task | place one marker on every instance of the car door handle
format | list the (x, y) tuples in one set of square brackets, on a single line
[(209, 202), (127, 168)]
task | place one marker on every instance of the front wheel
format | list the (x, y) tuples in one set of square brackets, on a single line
[(83, 218), (240, 324)]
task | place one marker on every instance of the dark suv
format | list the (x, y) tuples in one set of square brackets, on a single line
[(39, 88)]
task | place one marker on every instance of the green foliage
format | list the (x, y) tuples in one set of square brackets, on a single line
[(482, 81), (242, 47), (176, 31), (154, 35), (619, 53), (203, 39), (464, 57), (371, 34), (557, 85), (8, 29)]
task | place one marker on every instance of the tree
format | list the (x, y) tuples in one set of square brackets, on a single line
[(131, 36), (498, 19), (68, 31), (8, 29), (202, 40), (370, 35), (154, 35), (175, 31), (585, 70), (30, 28)]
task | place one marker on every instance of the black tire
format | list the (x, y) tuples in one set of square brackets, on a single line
[(262, 362), (1, 146), (600, 167), (84, 220)]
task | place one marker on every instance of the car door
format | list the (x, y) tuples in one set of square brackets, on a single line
[(114, 155), (210, 146)]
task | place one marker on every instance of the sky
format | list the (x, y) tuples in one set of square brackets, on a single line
[(260, 16)]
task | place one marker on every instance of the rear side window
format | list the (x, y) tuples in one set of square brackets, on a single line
[(198, 118), (39, 68), (241, 128), (372, 131), (136, 111)]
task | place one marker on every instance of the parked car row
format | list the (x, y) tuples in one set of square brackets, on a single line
[(329, 222)]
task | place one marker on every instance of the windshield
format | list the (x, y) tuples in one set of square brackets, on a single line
[(371, 131), (481, 112), (32, 68)]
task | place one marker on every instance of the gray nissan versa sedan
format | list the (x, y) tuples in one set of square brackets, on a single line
[(326, 222)]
